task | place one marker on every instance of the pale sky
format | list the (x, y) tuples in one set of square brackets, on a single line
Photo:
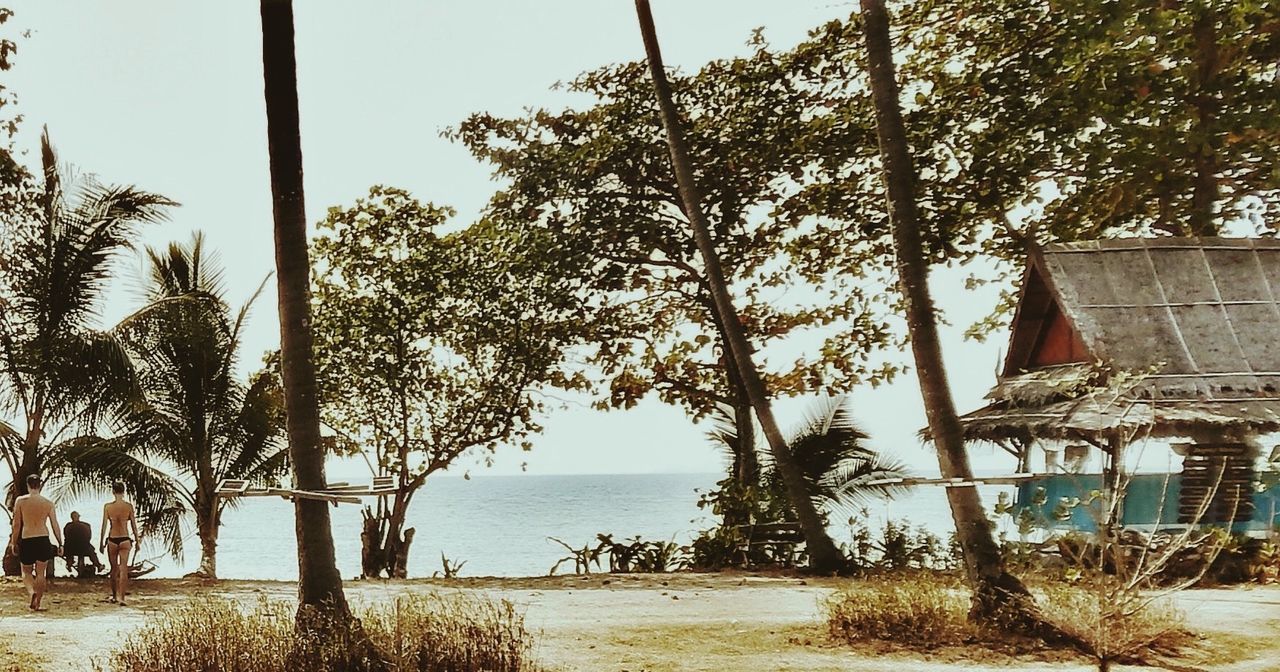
[(167, 96)]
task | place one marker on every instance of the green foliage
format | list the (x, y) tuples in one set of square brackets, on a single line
[(432, 344), (15, 179), (1040, 121), (898, 547), (828, 447), (582, 558), (632, 555), (598, 180), (715, 549), (196, 423), (58, 373)]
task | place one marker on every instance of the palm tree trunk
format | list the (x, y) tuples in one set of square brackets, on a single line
[(207, 528), (319, 584), (824, 557), (996, 593)]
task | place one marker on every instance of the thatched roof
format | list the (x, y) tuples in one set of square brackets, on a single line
[(1184, 332)]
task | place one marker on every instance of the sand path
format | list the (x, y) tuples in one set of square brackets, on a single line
[(652, 623)]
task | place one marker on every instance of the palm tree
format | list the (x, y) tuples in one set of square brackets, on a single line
[(997, 595), (319, 583), (824, 557), (58, 374), (839, 470), (840, 473), (198, 424)]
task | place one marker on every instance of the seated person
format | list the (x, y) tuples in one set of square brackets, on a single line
[(78, 537)]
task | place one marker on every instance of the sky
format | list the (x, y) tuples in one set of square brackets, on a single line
[(168, 96)]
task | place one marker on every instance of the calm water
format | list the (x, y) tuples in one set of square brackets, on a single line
[(500, 525)]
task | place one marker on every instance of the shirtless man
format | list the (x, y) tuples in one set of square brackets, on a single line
[(114, 539), (33, 518)]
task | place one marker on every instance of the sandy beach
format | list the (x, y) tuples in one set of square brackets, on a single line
[(633, 623)]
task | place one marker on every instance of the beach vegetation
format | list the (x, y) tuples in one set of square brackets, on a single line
[(634, 555), (429, 633), (928, 610), (196, 423), (432, 345), (925, 611), (596, 180), (60, 374), (839, 470)]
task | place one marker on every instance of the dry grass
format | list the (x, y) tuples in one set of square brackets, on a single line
[(927, 613), (1117, 627), (12, 660), (451, 633), (923, 612), (440, 633)]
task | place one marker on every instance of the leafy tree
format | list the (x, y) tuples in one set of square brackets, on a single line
[(599, 180), (1033, 122), (198, 424), (59, 375), (434, 345), (14, 178)]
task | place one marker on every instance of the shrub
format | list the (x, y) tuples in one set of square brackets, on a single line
[(451, 633), (210, 635), (1116, 627), (922, 612), (440, 633)]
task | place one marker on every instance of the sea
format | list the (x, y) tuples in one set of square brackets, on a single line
[(505, 525)]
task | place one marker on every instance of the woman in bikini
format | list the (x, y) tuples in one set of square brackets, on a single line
[(117, 521)]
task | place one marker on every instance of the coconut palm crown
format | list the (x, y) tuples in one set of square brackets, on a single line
[(59, 374), (198, 423)]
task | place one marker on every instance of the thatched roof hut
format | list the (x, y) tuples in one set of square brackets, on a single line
[(1165, 337)]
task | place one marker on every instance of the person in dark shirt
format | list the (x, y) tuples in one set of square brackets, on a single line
[(78, 537)]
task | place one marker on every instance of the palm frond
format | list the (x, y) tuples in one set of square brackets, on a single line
[(91, 377), (724, 431), (837, 468), (849, 487), (86, 466), (826, 437)]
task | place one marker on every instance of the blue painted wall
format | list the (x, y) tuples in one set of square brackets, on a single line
[(1143, 506)]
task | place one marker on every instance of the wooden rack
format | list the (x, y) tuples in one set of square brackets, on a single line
[(334, 493)]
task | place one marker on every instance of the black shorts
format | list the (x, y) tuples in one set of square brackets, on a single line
[(35, 549)]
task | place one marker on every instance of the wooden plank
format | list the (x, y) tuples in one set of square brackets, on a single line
[(305, 494)]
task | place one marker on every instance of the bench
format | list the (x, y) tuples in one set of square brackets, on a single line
[(781, 538)]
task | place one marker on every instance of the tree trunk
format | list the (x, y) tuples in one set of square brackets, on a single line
[(824, 557), (207, 519), (319, 584), (745, 474), (385, 543), (208, 554), (997, 595), (748, 463), (1205, 192)]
